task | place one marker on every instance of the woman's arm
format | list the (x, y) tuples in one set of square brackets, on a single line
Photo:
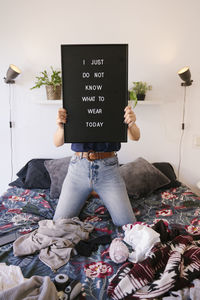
[(130, 119), (60, 121)]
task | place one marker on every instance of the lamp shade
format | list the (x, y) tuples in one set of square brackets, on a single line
[(11, 74), (185, 75)]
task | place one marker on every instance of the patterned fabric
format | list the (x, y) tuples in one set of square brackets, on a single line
[(21, 210), (169, 267)]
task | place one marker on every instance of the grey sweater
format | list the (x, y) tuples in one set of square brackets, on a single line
[(54, 239)]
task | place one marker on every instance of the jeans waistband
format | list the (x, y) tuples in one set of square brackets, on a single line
[(92, 155)]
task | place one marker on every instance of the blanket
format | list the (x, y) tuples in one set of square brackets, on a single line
[(170, 266), (21, 209)]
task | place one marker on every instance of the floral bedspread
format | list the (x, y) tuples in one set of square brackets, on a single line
[(21, 210)]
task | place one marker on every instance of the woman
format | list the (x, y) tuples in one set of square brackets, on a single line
[(94, 166)]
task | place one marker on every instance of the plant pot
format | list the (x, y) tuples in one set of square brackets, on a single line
[(53, 94), (141, 97)]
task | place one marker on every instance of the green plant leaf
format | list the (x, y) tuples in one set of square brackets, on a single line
[(140, 87), (54, 78)]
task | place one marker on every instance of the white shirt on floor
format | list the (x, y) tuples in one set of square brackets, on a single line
[(141, 238)]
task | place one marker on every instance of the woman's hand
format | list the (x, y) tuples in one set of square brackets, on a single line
[(129, 116), (130, 119), (61, 117)]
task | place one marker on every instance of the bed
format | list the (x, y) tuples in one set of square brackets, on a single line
[(22, 208)]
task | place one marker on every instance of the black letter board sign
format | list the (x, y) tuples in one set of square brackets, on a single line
[(95, 92)]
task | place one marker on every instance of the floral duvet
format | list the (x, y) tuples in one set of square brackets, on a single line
[(21, 210)]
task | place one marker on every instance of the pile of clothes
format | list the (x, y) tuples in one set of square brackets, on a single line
[(169, 265)]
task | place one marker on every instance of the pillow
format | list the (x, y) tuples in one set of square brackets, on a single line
[(142, 178), (18, 183), (57, 169), (33, 175), (167, 169)]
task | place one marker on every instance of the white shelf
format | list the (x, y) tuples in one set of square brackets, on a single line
[(147, 102), (49, 102)]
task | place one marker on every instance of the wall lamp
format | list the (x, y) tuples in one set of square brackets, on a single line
[(11, 74), (185, 75)]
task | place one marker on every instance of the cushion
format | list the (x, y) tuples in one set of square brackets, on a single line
[(167, 169), (57, 169), (18, 183), (33, 175), (142, 178)]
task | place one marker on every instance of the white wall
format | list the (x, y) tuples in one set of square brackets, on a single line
[(163, 36)]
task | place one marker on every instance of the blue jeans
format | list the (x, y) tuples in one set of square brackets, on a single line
[(104, 178)]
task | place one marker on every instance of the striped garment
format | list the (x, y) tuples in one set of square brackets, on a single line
[(170, 266)]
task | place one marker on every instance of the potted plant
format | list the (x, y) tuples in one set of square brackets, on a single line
[(132, 98), (140, 88), (52, 82)]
